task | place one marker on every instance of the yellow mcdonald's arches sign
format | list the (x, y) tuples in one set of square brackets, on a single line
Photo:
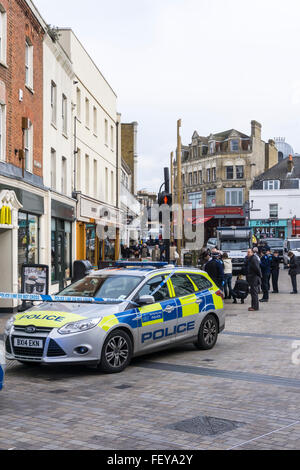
[(5, 215)]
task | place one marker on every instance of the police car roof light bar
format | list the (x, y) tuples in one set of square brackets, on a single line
[(147, 264)]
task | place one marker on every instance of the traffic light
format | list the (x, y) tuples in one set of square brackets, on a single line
[(165, 199)]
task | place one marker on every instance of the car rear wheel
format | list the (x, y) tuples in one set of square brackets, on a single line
[(116, 352), (208, 333)]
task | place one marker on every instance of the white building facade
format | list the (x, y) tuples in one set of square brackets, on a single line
[(97, 171)]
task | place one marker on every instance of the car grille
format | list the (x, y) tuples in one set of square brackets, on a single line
[(28, 352), (54, 350), (39, 329)]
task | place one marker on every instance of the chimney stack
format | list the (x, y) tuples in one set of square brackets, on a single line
[(256, 130)]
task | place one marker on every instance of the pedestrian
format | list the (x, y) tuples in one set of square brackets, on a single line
[(214, 269), (241, 289), (227, 276), (156, 253), (254, 276), (265, 265), (293, 271), (275, 268), (162, 251), (144, 251)]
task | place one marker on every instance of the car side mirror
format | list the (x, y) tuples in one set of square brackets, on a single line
[(146, 300)]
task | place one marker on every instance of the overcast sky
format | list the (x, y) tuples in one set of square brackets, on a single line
[(216, 64)]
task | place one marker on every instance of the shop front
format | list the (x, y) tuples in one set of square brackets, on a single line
[(270, 228), (222, 217), (98, 232), (62, 219)]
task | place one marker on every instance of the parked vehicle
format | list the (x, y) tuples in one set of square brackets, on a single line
[(276, 244), (293, 245), (212, 243)]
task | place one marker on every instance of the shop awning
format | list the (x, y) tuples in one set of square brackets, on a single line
[(201, 220)]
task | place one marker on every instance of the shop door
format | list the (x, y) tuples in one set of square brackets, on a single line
[(60, 259)]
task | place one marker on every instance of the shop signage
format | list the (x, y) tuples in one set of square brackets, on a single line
[(102, 214), (35, 279), (5, 216), (268, 223), (224, 211)]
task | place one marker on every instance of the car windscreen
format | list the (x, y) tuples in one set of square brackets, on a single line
[(234, 245), (295, 245), (103, 286)]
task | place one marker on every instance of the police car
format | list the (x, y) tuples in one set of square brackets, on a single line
[(2, 366), (147, 308)]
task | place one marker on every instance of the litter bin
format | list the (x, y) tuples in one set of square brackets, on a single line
[(188, 259), (81, 268)]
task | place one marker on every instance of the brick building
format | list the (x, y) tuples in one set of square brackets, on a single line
[(21, 136), (218, 171), (129, 151)]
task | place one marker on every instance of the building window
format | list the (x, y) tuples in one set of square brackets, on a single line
[(195, 177), (106, 131), (190, 179), (106, 184), (112, 187), (111, 137), (28, 64), (53, 169), (273, 211), (229, 172), (28, 147), (234, 197), (195, 199), (211, 199), (64, 114), (78, 103), (3, 34), (200, 177), (87, 174), (61, 250), (240, 172), (78, 170), (64, 175), (2, 131), (271, 185), (212, 147), (95, 120), (214, 174), (87, 113), (53, 103), (195, 152), (95, 179), (234, 146), (208, 175), (28, 240)]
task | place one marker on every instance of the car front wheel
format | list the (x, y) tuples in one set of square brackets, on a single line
[(116, 352), (208, 333)]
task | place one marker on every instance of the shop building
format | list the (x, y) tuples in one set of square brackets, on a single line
[(218, 171), (22, 190), (97, 147), (275, 200), (58, 151)]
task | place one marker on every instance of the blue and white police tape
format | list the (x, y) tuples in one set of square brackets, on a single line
[(163, 282), (56, 298)]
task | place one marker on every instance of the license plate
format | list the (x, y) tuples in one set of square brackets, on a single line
[(28, 343)]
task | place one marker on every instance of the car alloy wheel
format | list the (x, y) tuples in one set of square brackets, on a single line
[(209, 332), (116, 351)]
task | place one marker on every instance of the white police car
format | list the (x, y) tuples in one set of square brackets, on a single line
[(2, 365), (142, 309)]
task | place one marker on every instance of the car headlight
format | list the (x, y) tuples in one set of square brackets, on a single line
[(9, 325), (79, 326)]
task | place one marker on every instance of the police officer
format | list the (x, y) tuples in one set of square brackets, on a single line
[(214, 268), (265, 265), (293, 271), (275, 268)]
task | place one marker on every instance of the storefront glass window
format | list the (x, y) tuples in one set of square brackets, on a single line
[(91, 243), (28, 241), (61, 250)]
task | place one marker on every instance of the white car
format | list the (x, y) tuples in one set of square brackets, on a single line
[(2, 365)]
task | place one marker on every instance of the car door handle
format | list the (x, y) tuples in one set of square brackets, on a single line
[(169, 309), (199, 301)]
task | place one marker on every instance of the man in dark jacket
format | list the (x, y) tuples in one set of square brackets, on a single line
[(265, 265), (215, 270), (254, 276), (275, 268), (293, 271), (241, 290)]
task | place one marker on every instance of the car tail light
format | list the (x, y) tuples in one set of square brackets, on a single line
[(220, 294)]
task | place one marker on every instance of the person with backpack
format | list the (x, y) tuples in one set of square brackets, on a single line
[(241, 290)]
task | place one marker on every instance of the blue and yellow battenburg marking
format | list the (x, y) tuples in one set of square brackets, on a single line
[(1, 376)]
